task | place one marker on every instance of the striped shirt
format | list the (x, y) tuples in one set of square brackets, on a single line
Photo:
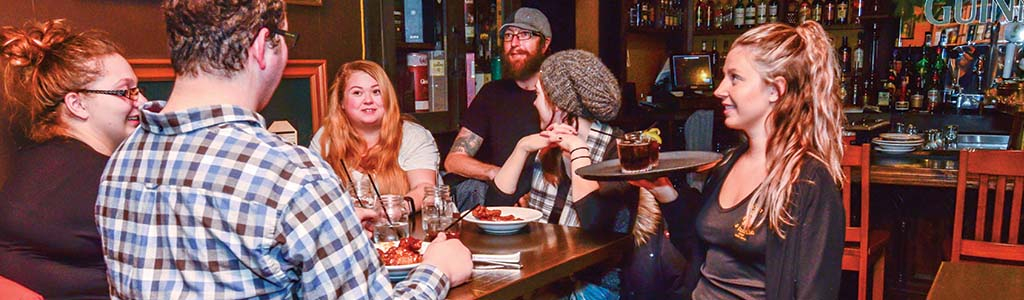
[(207, 204)]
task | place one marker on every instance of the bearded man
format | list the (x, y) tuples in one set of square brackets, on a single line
[(501, 113)]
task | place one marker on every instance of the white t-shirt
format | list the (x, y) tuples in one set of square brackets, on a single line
[(418, 150)]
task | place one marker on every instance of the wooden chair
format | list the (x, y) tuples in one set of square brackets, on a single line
[(863, 244), (14, 291), (999, 167)]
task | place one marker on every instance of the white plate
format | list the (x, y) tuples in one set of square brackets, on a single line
[(897, 148), (507, 227), (897, 143), (893, 151), (398, 273), (900, 137)]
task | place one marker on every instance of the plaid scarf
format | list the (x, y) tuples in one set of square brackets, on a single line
[(544, 195)]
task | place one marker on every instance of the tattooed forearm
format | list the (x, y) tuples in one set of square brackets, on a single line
[(467, 142)]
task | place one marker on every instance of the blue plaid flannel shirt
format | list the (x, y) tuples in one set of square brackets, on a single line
[(207, 204)]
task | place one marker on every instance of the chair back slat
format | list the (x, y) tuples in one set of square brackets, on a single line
[(847, 173), (979, 228), (998, 170), (856, 157), (1015, 209), (997, 211)]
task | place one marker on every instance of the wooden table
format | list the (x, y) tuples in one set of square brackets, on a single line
[(974, 280), (548, 253)]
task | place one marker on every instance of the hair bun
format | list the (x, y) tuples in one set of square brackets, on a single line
[(28, 46)]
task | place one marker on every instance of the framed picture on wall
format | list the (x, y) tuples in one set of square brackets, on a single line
[(305, 2), (300, 99)]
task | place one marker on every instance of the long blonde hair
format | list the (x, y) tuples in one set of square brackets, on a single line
[(804, 56), (340, 141)]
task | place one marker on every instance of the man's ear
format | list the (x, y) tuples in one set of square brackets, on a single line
[(547, 44), (75, 105), (258, 49), (778, 88)]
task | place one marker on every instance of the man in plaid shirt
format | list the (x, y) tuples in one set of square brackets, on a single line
[(203, 203)]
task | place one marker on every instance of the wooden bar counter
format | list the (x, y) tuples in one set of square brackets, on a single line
[(548, 253)]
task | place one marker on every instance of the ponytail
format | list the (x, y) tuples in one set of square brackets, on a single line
[(804, 57)]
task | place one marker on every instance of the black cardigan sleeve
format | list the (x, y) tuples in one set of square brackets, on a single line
[(819, 240)]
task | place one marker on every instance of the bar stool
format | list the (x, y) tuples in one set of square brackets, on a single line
[(863, 244)]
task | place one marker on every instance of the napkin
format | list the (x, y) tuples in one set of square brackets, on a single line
[(508, 258)]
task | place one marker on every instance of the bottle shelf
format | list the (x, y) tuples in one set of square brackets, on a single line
[(654, 30), (734, 31), (414, 46)]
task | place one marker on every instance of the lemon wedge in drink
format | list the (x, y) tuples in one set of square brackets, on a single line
[(654, 134)]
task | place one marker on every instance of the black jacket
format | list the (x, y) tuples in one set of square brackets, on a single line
[(807, 264)]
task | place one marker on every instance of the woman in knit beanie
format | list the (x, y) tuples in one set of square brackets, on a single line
[(576, 95)]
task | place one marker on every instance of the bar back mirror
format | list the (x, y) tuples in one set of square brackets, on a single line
[(301, 98)]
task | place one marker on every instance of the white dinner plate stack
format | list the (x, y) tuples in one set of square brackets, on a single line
[(897, 142)]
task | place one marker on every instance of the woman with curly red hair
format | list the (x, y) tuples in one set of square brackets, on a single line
[(72, 98)]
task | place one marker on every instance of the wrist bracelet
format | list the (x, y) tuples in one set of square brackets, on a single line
[(578, 157), (580, 148)]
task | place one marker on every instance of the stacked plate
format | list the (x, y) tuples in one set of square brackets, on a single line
[(897, 142)]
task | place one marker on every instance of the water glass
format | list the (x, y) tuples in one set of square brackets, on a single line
[(362, 192), (439, 211), (637, 153), (393, 224)]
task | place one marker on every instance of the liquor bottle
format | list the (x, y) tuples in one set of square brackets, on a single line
[(805, 12), (719, 15), (858, 10), (870, 80), (844, 56), (938, 78), (634, 14), (843, 12), (704, 46), (762, 12), (714, 57), (644, 13), (792, 11), (844, 65), (727, 14), (917, 102), (860, 83), (773, 11), (699, 15), (709, 10), (738, 14), (750, 14), (816, 10), (885, 94), (902, 102), (829, 12)]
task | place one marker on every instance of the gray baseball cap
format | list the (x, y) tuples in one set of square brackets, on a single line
[(529, 19)]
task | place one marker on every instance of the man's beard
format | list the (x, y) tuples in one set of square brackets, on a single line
[(524, 70)]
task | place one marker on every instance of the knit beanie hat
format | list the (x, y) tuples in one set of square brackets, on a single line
[(578, 83)]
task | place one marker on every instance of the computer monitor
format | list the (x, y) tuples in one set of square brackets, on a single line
[(691, 72)]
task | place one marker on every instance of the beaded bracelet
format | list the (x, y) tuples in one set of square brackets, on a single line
[(580, 148)]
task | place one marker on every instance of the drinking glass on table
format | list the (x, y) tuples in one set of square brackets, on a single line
[(439, 211), (361, 192), (637, 153), (393, 224)]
